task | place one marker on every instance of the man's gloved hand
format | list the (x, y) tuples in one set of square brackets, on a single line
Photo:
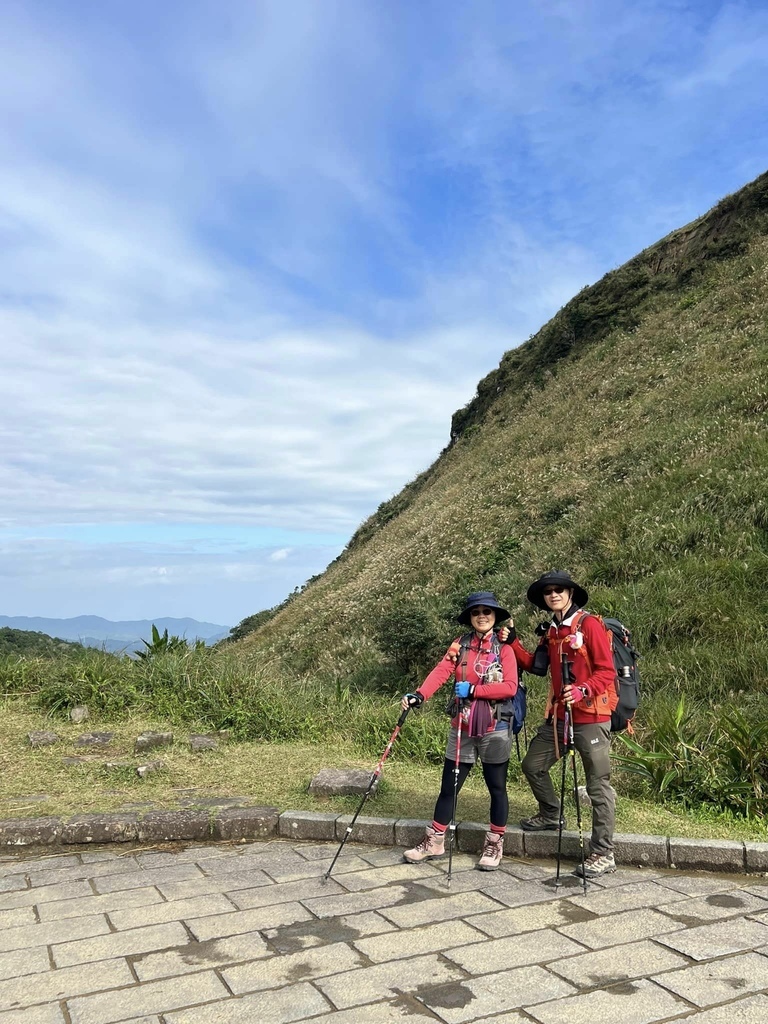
[(462, 690), (571, 694), (411, 700)]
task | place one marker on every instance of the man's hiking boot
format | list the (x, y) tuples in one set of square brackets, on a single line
[(595, 865), (493, 848), (538, 823), (432, 845)]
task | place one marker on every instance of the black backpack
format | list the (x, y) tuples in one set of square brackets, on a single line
[(625, 658)]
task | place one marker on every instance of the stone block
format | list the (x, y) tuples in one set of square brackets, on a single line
[(164, 826), (514, 843), (707, 854), (149, 740), (197, 744), (30, 831), (307, 825), (100, 828), (342, 782), (42, 738), (756, 856), (79, 714), (295, 1002), (94, 739), (638, 1001), (544, 844), (375, 831), (143, 770), (409, 831), (645, 851), (245, 822), (723, 938), (154, 997), (470, 836)]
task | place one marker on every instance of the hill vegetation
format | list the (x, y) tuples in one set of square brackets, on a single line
[(626, 441)]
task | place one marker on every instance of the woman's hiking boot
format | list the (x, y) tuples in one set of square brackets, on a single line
[(432, 845), (538, 823), (595, 865), (493, 848)]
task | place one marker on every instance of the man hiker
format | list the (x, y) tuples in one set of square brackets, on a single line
[(579, 640)]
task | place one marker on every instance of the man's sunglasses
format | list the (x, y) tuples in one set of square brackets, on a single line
[(554, 590)]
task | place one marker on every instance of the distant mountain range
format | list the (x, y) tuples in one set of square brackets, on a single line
[(93, 631)]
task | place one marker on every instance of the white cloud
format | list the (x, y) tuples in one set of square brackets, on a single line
[(252, 260)]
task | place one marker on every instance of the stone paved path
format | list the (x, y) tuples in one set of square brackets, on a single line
[(245, 934)]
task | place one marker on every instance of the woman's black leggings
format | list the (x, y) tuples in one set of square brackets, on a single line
[(495, 776)]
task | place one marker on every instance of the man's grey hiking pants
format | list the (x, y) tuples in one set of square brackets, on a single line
[(593, 742)]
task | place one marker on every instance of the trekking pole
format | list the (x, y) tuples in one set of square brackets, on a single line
[(456, 770), (572, 749), (371, 784), (561, 822), (566, 674)]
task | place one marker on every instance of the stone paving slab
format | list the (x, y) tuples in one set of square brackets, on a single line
[(633, 1002), (636, 960), (716, 982), (753, 1010), (378, 942), (19, 962), (59, 910)]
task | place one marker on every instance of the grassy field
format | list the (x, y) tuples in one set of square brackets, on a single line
[(37, 783)]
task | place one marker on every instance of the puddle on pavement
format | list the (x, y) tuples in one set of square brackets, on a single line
[(625, 988), (199, 952), (452, 995), (566, 882), (572, 914), (602, 980), (689, 920), (407, 1005), (736, 983), (293, 938), (299, 972), (724, 900), (415, 892)]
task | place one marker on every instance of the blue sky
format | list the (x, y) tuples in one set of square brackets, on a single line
[(253, 256)]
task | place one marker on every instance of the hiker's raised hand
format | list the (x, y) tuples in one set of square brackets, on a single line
[(411, 700)]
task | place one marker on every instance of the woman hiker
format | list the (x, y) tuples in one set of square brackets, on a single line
[(591, 693), (485, 673)]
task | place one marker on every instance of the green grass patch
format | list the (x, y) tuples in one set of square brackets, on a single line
[(37, 782)]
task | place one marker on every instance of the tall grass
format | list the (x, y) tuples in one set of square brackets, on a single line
[(686, 751), (221, 689)]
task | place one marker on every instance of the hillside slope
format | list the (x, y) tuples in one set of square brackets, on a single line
[(626, 441)]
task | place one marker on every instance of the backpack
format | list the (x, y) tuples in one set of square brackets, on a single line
[(513, 709), (627, 681), (625, 658)]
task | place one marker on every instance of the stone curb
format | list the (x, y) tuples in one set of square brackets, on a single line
[(244, 823)]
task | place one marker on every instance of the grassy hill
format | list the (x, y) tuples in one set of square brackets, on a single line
[(625, 441), (32, 644)]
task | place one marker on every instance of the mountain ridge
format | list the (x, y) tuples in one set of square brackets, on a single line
[(118, 635)]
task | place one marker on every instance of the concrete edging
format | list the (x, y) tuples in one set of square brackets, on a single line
[(248, 823)]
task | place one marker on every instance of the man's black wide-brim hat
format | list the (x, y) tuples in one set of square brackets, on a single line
[(487, 600), (555, 578)]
